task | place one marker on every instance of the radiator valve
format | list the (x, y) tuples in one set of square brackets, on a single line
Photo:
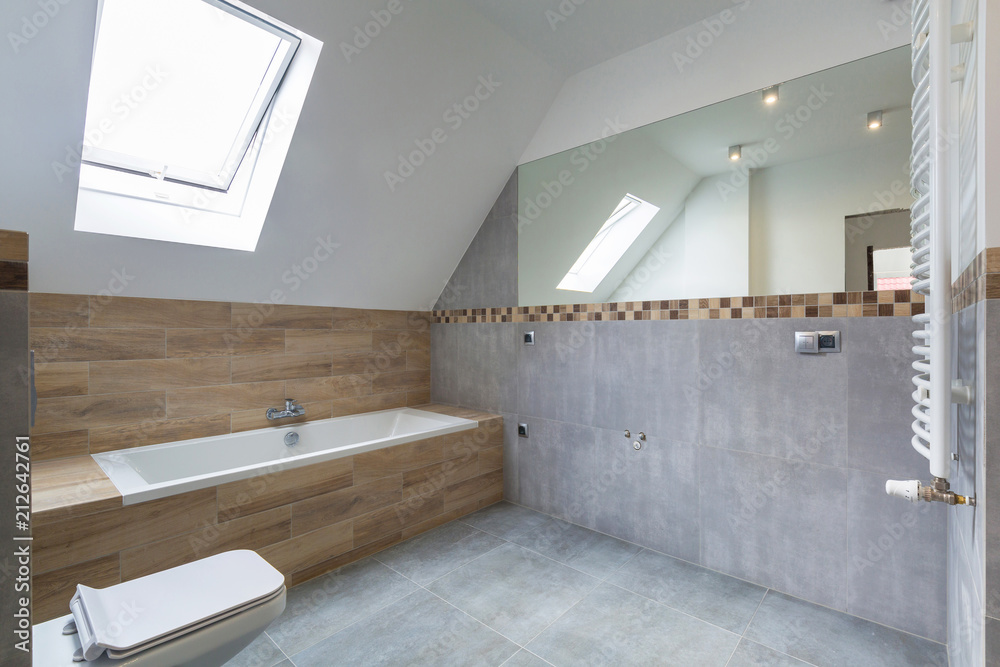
[(940, 492)]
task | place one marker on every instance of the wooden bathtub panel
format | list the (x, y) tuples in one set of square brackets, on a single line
[(439, 520), (437, 476), (490, 459), (108, 377), (72, 487), (58, 310), (373, 465), (142, 313), (473, 490), (61, 543), (343, 559), (188, 343), (395, 518), (309, 549), (78, 412), (65, 344), (53, 590), (252, 532), (248, 496), (281, 367), (274, 316), (156, 432), (330, 508), (67, 379)]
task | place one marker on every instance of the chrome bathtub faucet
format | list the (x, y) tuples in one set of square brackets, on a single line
[(291, 410)]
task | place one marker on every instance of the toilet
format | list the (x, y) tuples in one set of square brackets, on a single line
[(200, 614)]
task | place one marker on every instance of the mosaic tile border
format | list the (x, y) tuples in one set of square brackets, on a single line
[(979, 281), (901, 303)]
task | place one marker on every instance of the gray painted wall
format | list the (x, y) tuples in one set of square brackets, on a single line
[(760, 463), (13, 423)]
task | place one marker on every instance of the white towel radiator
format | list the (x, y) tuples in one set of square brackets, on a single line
[(931, 167)]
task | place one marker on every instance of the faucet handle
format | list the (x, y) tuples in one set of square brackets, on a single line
[(289, 403)]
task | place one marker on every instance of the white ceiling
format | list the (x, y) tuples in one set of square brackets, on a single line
[(573, 35)]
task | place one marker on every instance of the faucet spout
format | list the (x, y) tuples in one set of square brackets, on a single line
[(292, 409)]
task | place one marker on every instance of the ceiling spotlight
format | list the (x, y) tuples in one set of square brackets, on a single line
[(770, 95), (874, 120), (735, 152)]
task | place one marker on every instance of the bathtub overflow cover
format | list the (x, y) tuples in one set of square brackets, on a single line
[(291, 438)]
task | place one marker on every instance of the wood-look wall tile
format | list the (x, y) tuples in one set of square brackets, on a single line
[(390, 383), (359, 319), (256, 494), (419, 341), (14, 276), (72, 487), (309, 549), (138, 313), (436, 477), (395, 518), (271, 316), (253, 532), (380, 463), (156, 432), (61, 345), (490, 459), (439, 520), (343, 559), (359, 404), (473, 490), (417, 360), (328, 388), (58, 379), (356, 363), (280, 367), (77, 412), (61, 543), (48, 446), (108, 377), (313, 341), (252, 420), (418, 398), (330, 508), (58, 310), (187, 343), (13, 246), (225, 398), (488, 434), (53, 590)]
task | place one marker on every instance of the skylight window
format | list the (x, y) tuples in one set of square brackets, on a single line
[(182, 94), (615, 237)]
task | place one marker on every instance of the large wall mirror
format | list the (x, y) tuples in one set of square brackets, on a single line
[(797, 189)]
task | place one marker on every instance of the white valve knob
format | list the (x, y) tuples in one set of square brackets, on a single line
[(908, 490)]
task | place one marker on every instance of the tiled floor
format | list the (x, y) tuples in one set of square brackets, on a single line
[(509, 586)]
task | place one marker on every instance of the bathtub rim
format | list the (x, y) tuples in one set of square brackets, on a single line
[(137, 490)]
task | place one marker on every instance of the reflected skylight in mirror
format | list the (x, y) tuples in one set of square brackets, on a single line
[(615, 237)]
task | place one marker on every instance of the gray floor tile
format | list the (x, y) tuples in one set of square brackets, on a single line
[(711, 596), (420, 629), (751, 654), (262, 652), (514, 591), (612, 626), (327, 604), (590, 552), (436, 553), (525, 659), (505, 520), (829, 638)]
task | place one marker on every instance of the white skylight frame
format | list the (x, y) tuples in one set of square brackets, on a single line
[(124, 203), (609, 245)]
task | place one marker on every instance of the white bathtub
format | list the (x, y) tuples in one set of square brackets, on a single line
[(158, 471)]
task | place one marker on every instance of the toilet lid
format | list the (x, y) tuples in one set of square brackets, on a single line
[(132, 616)]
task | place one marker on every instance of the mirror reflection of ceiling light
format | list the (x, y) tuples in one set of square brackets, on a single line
[(735, 152), (874, 120), (770, 95)]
